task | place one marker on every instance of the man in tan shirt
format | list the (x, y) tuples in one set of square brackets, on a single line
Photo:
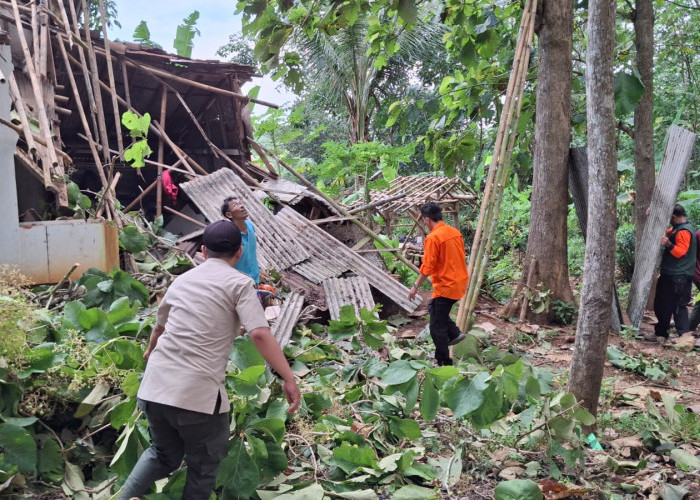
[(182, 391)]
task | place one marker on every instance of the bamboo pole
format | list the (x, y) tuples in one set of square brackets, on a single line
[(337, 207), (176, 149), (125, 78), (43, 41), (161, 148), (154, 128), (75, 30), (35, 35), (186, 217), (81, 111), (38, 140), (21, 111), (92, 69), (499, 166), (36, 87), (110, 74), (66, 23), (140, 197)]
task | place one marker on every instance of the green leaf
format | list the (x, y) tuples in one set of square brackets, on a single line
[(583, 416), (238, 473), (430, 401), (404, 428), (130, 384), (349, 458), (518, 489), (184, 37), (91, 400), (317, 402), (245, 354), (413, 492), (50, 461), (467, 395), (673, 492), (18, 447), (132, 240), (10, 396), (272, 427), (122, 413), (629, 90), (398, 372), (685, 460), (271, 462)]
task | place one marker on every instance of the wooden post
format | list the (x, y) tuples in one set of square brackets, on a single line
[(140, 197), (75, 30), (92, 69), (161, 148), (110, 74), (21, 111)]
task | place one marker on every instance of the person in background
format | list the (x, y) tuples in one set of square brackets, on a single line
[(444, 262), (234, 210), (695, 313), (182, 391), (675, 282)]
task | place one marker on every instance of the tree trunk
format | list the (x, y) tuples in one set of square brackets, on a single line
[(644, 115), (547, 240), (599, 264)]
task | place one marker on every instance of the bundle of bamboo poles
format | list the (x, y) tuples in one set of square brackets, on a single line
[(500, 166)]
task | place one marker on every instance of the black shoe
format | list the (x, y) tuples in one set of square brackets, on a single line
[(457, 339)]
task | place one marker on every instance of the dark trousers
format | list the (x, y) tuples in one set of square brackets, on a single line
[(442, 328), (672, 297), (201, 438)]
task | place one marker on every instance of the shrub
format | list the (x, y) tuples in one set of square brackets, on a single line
[(625, 251)]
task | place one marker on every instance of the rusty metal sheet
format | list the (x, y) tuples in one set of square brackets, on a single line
[(278, 247), (327, 251), (289, 314), (351, 290)]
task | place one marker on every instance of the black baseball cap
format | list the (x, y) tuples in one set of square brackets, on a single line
[(222, 236)]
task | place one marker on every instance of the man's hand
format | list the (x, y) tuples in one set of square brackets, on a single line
[(271, 351), (153, 341), (412, 292), (665, 241), (291, 389)]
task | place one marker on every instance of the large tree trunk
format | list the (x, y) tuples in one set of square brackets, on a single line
[(599, 264), (547, 240), (644, 115)]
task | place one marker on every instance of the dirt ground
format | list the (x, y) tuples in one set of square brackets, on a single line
[(551, 348)]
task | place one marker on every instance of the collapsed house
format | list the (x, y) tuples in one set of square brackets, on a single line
[(68, 88)]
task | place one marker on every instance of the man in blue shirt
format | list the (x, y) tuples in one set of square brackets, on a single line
[(234, 210)]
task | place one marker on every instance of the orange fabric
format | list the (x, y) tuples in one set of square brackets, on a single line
[(682, 243), (445, 262)]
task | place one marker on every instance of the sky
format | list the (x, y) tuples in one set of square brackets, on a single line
[(216, 22)]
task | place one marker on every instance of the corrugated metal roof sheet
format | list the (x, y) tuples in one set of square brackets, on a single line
[(289, 314), (679, 149), (327, 252), (278, 247), (353, 290)]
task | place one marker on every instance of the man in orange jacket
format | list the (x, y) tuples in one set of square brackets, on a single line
[(444, 261)]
